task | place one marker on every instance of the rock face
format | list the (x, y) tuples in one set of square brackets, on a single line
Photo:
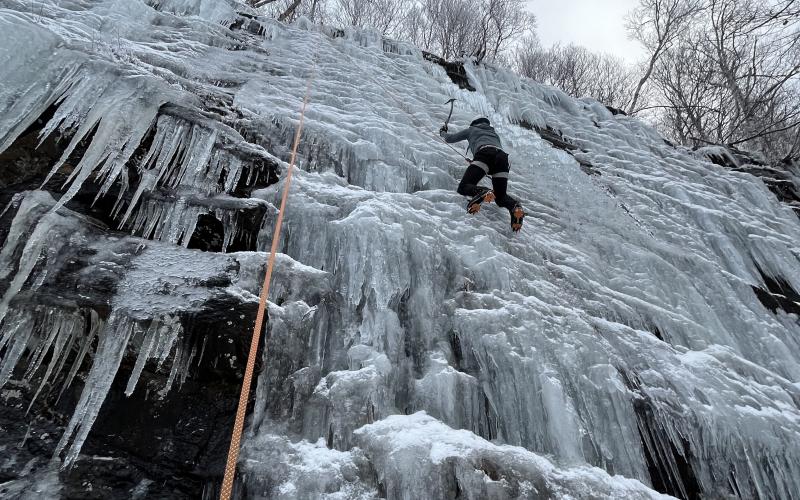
[(639, 337), (781, 178)]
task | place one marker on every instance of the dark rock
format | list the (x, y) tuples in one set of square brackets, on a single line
[(778, 295), (668, 463), (249, 24), (209, 234), (556, 139), (782, 178), (26, 162), (455, 70), (616, 111), (172, 446)]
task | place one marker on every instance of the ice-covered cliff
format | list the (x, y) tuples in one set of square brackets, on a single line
[(640, 335)]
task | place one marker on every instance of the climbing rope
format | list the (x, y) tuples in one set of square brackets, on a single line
[(238, 426), (459, 153)]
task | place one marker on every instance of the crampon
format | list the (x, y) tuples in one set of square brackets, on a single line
[(517, 214), (474, 205)]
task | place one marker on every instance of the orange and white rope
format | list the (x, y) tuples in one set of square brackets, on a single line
[(238, 426)]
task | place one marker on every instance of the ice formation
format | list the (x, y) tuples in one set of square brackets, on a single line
[(620, 346)]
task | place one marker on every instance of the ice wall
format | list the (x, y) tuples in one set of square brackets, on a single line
[(620, 334)]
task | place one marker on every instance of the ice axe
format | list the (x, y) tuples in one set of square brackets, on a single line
[(450, 102)]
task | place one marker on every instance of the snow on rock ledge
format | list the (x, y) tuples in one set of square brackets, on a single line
[(417, 456)]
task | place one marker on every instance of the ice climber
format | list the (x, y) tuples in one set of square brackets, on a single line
[(488, 159)]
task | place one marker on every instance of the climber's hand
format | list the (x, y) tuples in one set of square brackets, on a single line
[(443, 130)]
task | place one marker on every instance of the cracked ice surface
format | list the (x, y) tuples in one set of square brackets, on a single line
[(515, 346)]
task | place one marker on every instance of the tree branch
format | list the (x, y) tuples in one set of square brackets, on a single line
[(260, 3), (765, 133), (289, 11)]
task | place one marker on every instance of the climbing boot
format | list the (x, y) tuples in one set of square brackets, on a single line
[(517, 214), (474, 204)]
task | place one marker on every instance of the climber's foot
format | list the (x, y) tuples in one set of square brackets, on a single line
[(474, 205), (517, 214)]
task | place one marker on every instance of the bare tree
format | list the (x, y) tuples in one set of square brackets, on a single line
[(731, 75), (614, 83), (456, 27), (485, 29), (482, 29), (289, 10), (577, 71), (656, 24), (756, 48), (691, 98), (504, 21), (386, 16)]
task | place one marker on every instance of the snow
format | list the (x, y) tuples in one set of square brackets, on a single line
[(392, 299), (304, 470), (406, 448)]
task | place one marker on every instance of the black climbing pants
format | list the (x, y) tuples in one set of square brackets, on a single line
[(493, 162)]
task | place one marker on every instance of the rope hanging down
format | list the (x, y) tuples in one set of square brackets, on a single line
[(238, 426)]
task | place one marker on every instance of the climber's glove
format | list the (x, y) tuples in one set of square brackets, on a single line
[(443, 130)]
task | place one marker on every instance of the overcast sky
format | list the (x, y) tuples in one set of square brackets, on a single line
[(596, 24)]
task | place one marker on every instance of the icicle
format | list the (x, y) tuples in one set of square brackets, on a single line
[(67, 327), (107, 109), (144, 354), (233, 167), (158, 340), (192, 169), (110, 351), (16, 333), (184, 371), (159, 159), (169, 331), (78, 327), (21, 102), (173, 372), (42, 348), (37, 241), (203, 349), (96, 325), (150, 221)]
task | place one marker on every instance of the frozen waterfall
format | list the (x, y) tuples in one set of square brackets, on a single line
[(639, 337)]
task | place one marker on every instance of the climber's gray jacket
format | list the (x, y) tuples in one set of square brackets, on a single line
[(479, 134)]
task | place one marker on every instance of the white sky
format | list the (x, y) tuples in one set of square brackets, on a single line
[(596, 24)]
